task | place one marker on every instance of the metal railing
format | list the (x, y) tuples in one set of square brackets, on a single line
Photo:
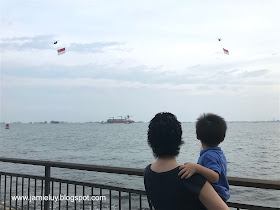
[(18, 184)]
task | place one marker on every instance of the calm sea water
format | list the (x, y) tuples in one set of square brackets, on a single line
[(252, 151)]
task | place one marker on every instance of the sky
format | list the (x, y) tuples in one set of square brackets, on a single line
[(139, 58)]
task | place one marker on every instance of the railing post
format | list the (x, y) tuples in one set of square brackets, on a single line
[(47, 186)]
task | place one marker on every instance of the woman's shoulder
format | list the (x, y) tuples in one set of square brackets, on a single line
[(148, 167), (194, 180)]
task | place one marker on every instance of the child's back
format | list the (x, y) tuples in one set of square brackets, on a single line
[(214, 159)]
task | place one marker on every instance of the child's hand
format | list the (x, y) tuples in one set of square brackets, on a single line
[(187, 170)]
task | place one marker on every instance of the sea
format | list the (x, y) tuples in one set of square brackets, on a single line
[(252, 150)]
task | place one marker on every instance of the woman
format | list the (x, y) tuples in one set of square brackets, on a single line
[(165, 189)]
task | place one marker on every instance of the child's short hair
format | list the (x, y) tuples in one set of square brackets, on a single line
[(165, 135), (211, 129)]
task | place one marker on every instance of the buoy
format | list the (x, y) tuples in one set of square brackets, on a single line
[(7, 126)]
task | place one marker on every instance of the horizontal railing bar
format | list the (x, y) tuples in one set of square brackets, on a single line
[(247, 206), (108, 187), (256, 183), (245, 182), (77, 166), (24, 161), (97, 168), (22, 175)]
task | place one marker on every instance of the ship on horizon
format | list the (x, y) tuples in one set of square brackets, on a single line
[(120, 119)]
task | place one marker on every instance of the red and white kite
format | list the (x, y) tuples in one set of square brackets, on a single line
[(61, 51), (226, 51)]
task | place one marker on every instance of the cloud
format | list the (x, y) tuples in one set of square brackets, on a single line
[(145, 74), (15, 82), (45, 42), (21, 38), (86, 82), (41, 42), (94, 47), (256, 73), (104, 83)]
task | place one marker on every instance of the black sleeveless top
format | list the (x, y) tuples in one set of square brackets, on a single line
[(167, 191)]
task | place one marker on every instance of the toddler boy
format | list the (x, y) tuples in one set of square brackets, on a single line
[(212, 163)]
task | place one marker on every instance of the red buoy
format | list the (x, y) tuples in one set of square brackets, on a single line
[(7, 126)]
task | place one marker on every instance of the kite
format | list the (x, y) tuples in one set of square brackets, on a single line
[(226, 51), (55, 42), (219, 39), (61, 51)]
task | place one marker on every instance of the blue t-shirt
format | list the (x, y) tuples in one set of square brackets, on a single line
[(214, 159)]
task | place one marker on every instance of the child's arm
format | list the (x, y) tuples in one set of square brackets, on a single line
[(188, 169)]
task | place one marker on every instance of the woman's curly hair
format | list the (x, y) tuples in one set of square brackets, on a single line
[(165, 135)]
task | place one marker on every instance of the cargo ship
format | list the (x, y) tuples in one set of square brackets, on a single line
[(120, 119)]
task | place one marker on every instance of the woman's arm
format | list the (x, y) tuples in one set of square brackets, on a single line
[(210, 199)]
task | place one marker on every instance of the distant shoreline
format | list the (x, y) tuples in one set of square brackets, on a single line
[(62, 122)]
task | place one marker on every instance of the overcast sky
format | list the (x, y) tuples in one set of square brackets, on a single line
[(139, 58)]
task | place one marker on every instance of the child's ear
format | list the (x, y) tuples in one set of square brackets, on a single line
[(197, 138), (223, 139)]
